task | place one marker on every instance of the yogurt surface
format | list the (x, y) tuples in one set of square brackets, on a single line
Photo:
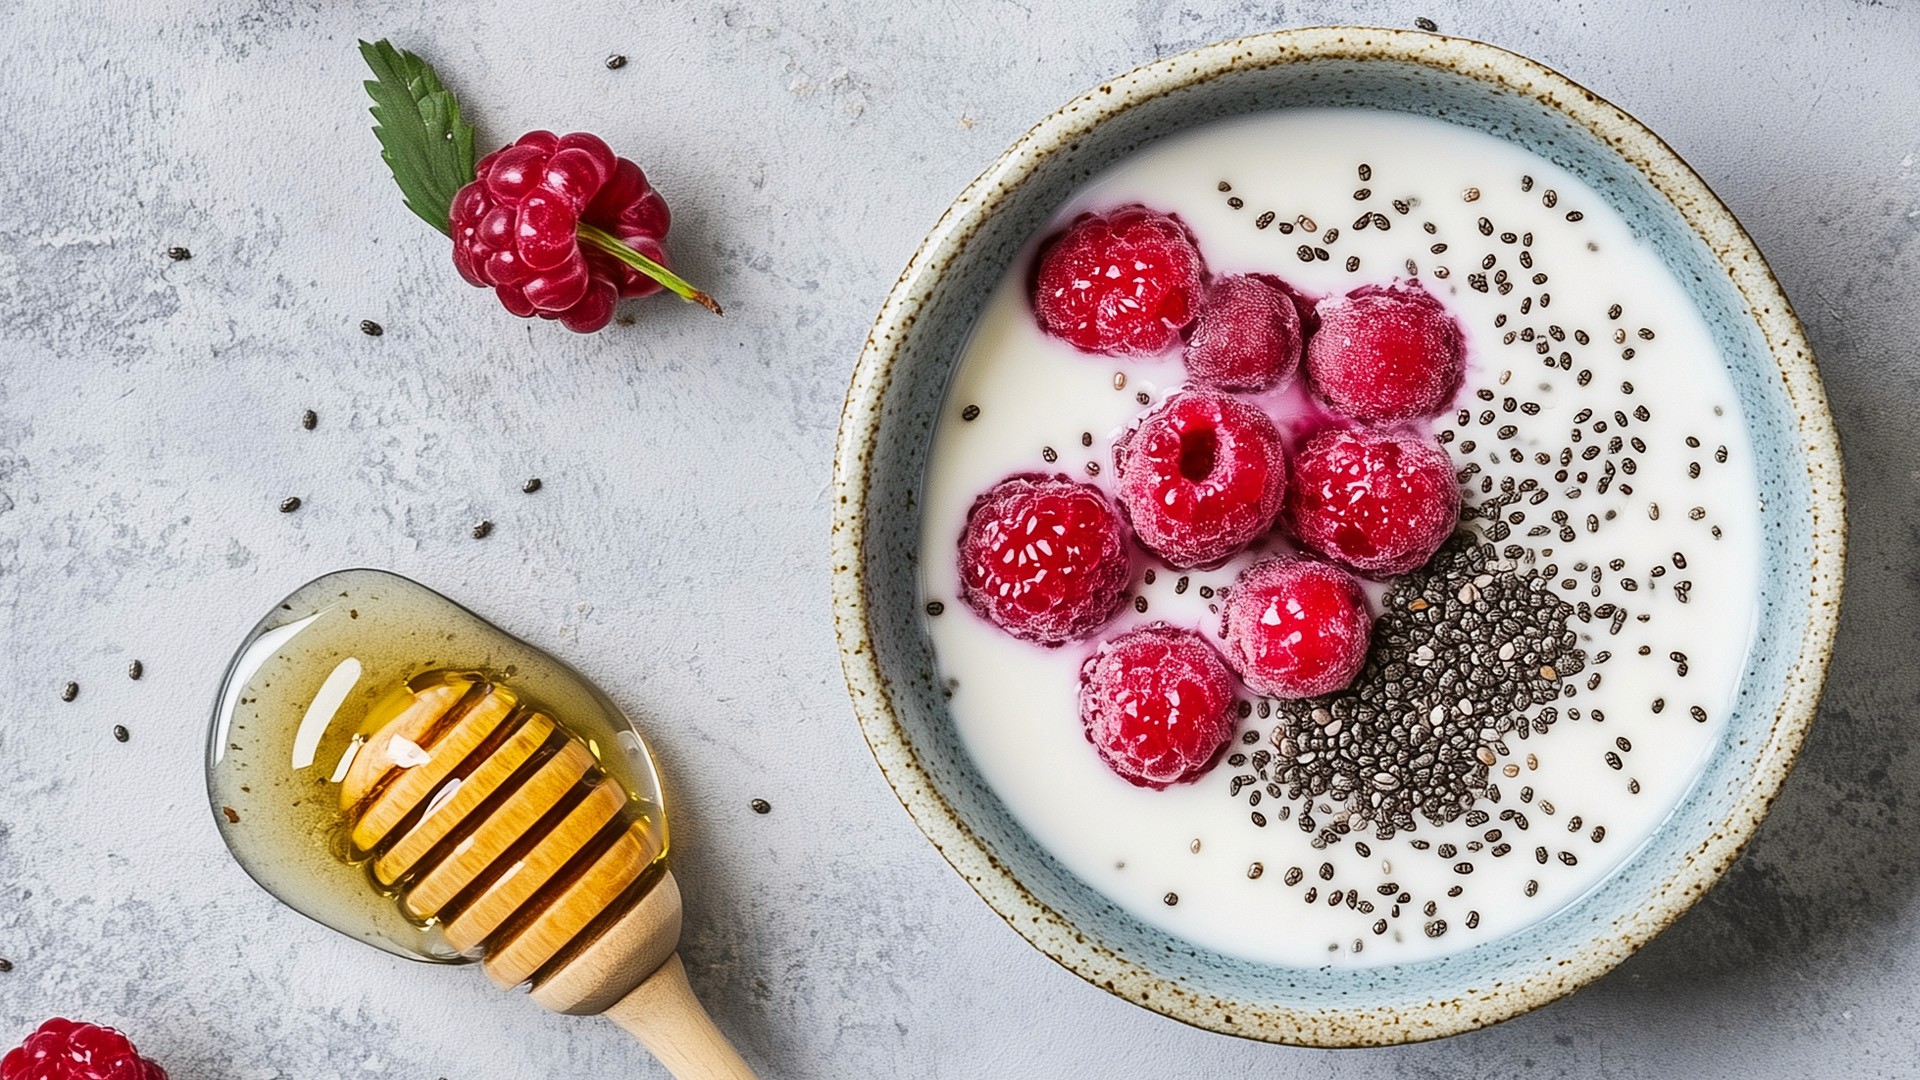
[(1571, 326)]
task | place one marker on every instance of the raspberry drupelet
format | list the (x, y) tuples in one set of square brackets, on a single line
[(1123, 283), (1386, 353), (1156, 702), (1379, 502), (1043, 558), (1296, 627), (1201, 477), (61, 1049)]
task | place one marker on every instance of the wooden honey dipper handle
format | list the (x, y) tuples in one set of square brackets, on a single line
[(664, 1015), (502, 826)]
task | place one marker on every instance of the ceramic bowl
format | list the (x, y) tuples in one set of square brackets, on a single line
[(886, 431)]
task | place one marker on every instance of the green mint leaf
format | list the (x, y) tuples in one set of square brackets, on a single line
[(422, 137)]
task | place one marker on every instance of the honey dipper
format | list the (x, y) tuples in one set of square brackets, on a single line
[(490, 818)]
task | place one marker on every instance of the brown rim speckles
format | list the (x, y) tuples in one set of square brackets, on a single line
[(1336, 1025)]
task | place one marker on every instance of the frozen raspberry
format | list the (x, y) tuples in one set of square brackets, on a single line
[(1124, 283), (1201, 477), (1157, 704), (1386, 353), (1043, 558), (1248, 335), (63, 1050), (1380, 502), (518, 228), (1296, 628)]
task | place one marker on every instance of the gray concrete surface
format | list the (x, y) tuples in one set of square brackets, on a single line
[(149, 427)]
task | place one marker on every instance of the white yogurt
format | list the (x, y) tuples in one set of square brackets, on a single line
[(1015, 703)]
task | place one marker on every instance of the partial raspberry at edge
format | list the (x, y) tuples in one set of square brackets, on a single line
[(1044, 558), (1123, 283), (61, 1049), (1156, 702)]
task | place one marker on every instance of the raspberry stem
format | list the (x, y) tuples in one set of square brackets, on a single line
[(603, 240)]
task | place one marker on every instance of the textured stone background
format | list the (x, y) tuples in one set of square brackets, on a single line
[(149, 426)]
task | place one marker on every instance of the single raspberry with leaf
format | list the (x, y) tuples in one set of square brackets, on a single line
[(558, 226), (519, 228)]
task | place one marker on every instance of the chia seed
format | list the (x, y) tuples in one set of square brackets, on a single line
[(70, 691), (761, 806), (309, 419), (136, 669), (371, 328), (120, 732)]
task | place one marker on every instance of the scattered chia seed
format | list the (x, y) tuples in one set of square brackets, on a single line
[(136, 669), (371, 328), (6, 965), (1049, 454), (532, 485), (70, 691), (616, 62), (972, 412), (935, 608), (309, 419), (1170, 899), (1424, 23), (289, 504), (482, 529), (761, 806), (1255, 871), (120, 732), (179, 254)]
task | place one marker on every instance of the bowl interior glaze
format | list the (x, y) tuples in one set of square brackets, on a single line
[(886, 434)]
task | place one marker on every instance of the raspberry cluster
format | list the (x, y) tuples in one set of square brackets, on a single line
[(1204, 475)]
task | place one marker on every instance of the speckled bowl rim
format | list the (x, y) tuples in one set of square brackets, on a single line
[(1067, 944)]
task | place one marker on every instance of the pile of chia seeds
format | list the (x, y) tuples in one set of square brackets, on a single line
[(1471, 651)]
